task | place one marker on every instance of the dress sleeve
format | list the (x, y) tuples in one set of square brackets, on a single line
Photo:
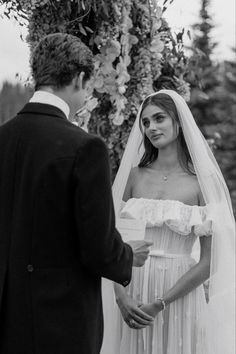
[(204, 228), (102, 250)]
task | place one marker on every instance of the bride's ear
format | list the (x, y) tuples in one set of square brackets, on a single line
[(178, 129)]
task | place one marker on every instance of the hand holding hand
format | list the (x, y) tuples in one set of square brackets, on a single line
[(152, 308), (140, 251), (134, 317)]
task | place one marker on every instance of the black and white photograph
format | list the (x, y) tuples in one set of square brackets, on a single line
[(117, 177)]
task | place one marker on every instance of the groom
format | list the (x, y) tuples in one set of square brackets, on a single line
[(57, 227)]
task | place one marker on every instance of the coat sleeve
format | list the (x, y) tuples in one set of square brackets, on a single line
[(102, 250)]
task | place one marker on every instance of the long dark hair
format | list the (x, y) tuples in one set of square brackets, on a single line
[(166, 103)]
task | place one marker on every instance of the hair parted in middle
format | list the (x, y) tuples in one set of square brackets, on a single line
[(58, 58), (166, 103)]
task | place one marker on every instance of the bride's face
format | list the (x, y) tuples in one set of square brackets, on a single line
[(158, 126)]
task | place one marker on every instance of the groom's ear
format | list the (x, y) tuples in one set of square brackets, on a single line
[(78, 81)]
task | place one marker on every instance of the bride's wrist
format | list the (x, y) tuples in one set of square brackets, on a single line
[(159, 301)]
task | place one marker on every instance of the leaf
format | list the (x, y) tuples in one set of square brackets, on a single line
[(6, 14), (158, 47), (91, 41), (88, 29), (82, 30), (189, 34), (105, 8)]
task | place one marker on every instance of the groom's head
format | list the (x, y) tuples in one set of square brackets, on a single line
[(62, 63)]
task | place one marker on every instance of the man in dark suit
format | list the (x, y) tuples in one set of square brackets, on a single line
[(57, 227)]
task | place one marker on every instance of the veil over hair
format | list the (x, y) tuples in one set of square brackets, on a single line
[(219, 319)]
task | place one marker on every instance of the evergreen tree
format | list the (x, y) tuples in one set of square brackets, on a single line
[(205, 73), (226, 152), (202, 39), (213, 100)]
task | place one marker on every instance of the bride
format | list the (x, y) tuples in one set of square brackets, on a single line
[(169, 178)]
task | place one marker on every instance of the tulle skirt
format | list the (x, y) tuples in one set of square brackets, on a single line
[(177, 330)]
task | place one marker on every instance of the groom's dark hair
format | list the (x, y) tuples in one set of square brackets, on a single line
[(58, 58)]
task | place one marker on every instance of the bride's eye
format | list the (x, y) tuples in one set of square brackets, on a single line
[(159, 118), (145, 123)]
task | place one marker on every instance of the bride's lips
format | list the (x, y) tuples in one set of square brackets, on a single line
[(156, 136)]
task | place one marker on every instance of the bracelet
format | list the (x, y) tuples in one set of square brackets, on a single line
[(162, 302)]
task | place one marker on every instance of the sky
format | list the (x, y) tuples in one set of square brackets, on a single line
[(14, 53)]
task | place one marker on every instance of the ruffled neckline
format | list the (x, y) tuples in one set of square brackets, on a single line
[(178, 216)]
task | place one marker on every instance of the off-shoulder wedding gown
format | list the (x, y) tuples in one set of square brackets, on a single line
[(173, 227)]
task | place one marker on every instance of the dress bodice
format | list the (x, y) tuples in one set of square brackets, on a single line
[(179, 217), (172, 226)]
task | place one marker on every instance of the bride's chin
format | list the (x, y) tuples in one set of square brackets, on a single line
[(159, 145)]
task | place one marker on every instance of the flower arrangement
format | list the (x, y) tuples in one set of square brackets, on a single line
[(135, 54)]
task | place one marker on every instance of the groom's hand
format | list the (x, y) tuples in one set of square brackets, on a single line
[(134, 317), (140, 251)]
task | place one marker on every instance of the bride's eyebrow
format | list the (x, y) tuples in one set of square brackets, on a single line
[(158, 115), (155, 115)]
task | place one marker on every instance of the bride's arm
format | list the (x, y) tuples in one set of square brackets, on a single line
[(195, 276), (128, 306), (128, 188), (188, 282)]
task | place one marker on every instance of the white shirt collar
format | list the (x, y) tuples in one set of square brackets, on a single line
[(49, 98)]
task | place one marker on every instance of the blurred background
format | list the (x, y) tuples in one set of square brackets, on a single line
[(140, 46)]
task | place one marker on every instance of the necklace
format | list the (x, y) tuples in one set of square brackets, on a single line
[(167, 174)]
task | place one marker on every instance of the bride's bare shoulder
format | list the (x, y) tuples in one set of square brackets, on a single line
[(192, 184), (136, 173), (134, 176)]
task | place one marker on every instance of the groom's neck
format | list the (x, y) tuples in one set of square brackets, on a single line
[(61, 93)]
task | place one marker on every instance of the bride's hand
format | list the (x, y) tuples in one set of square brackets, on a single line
[(132, 314), (152, 308)]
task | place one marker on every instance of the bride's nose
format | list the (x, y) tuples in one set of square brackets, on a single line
[(152, 126)]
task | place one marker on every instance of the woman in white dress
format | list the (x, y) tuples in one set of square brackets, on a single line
[(175, 192)]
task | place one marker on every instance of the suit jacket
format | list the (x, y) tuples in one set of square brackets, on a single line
[(57, 235)]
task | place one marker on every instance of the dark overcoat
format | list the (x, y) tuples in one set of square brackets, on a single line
[(57, 235)]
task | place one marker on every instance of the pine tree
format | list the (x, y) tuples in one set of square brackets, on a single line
[(226, 153), (206, 72), (202, 39)]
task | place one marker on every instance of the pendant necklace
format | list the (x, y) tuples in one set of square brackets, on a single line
[(167, 174)]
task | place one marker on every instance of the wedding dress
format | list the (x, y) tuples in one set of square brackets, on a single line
[(173, 227)]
